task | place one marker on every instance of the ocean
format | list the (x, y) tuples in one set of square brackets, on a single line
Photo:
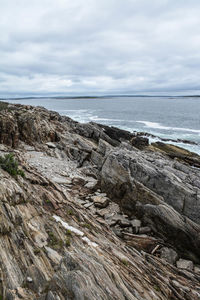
[(166, 117)]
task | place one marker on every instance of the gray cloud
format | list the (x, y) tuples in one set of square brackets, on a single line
[(96, 47)]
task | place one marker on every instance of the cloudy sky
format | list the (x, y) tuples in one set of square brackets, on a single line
[(89, 47)]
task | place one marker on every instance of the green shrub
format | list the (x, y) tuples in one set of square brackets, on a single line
[(10, 165)]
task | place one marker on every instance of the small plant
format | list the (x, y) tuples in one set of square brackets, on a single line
[(37, 251), (10, 165), (69, 212), (67, 242), (157, 288), (54, 242), (125, 262), (88, 226), (69, 233)]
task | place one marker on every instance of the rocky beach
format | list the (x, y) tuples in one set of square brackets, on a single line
[(95, 212)]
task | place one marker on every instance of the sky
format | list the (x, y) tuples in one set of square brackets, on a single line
[(98, 47)]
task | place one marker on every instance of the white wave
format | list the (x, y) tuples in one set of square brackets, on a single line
[(159, 126), (96, 118), (74, 110)]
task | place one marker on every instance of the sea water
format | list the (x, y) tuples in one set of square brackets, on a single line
[(165, 117)]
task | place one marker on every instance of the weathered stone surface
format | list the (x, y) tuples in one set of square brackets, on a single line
[(178, 153), (47, 235), (185, 264), (169, 255), (9, 133), (179, 230), (131, 176), (136, 224), (92, 184), (144, 230), (100, 201)]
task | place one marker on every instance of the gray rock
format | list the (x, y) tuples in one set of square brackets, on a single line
[(169, 255), (197, 269), (91, 184), (185, 264), (96, 159), (82, 202), (144, 230), (132, 176), (124, 222), (100, 201), (136, 224), (103, 147), (88, 205)]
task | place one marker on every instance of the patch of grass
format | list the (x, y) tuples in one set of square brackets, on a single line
[(69, 233), (124, 261), (69, 212), (157, 288), (67, 242), (36, 252), (10, 165), (55, 242), (47, 201), (88, 226)]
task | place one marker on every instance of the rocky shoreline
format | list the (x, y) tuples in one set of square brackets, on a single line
[(99, 214)]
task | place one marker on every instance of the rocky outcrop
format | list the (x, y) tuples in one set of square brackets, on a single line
[(180, 154), (94, 217), (148, 177)]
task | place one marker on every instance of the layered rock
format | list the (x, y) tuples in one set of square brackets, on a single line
[(94, 217)]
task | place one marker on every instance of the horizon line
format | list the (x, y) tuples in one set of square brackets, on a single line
[(95, 96)]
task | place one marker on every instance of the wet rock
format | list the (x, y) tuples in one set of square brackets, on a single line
[(169, 255), (185, 264), (139, 142)]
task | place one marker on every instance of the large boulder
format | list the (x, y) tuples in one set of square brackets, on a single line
[(132, 176)]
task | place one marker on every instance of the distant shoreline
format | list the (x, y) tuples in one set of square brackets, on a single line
[(98, 97)]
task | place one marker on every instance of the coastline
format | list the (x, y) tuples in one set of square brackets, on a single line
[(97, 206), (164, 118)]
